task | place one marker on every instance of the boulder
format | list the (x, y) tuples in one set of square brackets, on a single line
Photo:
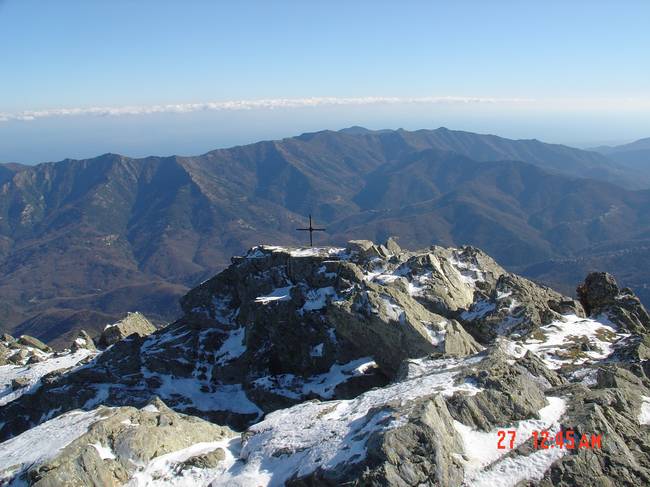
[(367, 250), (30, 341), (207, 460), (122, 438), (600, 295), (83, 341), (395, 326), (34, 359), (448, 280), (393, 246), (133, 323)]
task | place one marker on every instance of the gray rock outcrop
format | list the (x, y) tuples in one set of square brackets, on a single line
[(380, 366), (83, 341), (600, 295), (30, 341), (133, 324)]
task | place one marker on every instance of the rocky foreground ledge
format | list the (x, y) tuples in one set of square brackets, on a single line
[(364, 365)]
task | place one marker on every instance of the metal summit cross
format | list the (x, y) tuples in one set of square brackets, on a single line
[(311, 230)]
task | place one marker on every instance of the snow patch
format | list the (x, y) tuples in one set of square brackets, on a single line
[(232, 347), (188, 393), (478, 310), (162, 471), (644, 414), (278, 294), (436, 333), (317, 298), (32, 373), (323, 385), (315, 251), (468, 272), (560, 334), (393, 311), (587, 377), (104, 452)]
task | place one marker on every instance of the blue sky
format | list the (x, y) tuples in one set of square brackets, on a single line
[(567, 71)]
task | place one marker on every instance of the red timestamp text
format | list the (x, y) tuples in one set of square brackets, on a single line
[(543, 440)]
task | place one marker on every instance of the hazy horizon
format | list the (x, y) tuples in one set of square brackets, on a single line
[(57, 151), (140, 78)]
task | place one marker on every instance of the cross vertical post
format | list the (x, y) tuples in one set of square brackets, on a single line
[(311, 229)]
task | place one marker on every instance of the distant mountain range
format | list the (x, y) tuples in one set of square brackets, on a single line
[(634, 157), (84, 241)]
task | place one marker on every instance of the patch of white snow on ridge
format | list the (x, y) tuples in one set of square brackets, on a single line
[(436, 333), (317, 298), (187, 393), (232, 347), (317, 251), (478, 310), (418, 367), (469, 273), (104, 452), (33, 373), (644, 414), (278, 294), (600, 335), (292, 386), (418, 282), (312, 435), (163, 470), (151, 408), (393, 311), (42, 443), (481, 450), (324, 384)]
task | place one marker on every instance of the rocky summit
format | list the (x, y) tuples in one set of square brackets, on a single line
[(363, 365)]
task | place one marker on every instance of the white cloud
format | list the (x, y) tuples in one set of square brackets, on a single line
[(264, 104), (580, 104)]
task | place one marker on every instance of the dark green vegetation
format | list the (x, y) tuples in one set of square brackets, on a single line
[(82, 242)]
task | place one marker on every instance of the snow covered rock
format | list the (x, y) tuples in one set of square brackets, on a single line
[(516, 307), (105, 446)]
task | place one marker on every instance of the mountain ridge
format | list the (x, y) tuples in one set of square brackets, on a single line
[(92, 227)]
